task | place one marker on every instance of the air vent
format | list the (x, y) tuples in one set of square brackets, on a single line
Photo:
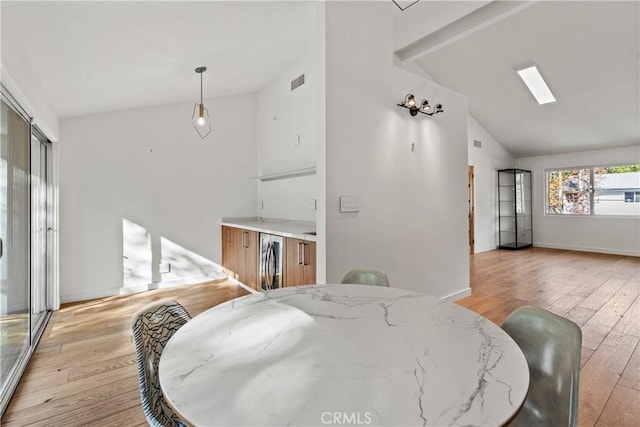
[(477, 143), (297, 82)]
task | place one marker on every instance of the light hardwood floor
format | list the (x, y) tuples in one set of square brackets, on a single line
[(83, 371), (598, 292)]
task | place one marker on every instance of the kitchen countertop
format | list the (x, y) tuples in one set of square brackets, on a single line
[(281, 227)]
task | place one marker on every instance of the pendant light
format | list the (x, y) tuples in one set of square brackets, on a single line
[(200, 116)]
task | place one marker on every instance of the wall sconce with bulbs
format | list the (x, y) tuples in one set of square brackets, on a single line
[(200, 117), (424, 107)]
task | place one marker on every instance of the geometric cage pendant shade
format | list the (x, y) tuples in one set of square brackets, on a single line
[(200, 117), (200, 120)]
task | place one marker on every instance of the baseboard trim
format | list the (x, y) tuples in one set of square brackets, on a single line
[(587, 249), (477, 250), (83, 296), (457, 295), (216, 277)]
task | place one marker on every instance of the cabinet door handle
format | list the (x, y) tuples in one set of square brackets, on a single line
[(300, 253), (244, 244), (228, 235), (304, 253)]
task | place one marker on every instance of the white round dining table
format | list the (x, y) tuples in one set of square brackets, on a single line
[(342, 355)]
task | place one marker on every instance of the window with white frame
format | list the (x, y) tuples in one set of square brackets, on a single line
[(597, 190)]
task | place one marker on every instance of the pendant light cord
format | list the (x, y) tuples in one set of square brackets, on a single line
[(200, 88)]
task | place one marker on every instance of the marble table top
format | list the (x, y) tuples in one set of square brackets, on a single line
[(342, 355)]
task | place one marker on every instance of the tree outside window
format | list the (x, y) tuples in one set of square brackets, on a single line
[(593, 191)]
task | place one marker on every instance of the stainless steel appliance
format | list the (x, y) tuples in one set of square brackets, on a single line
[(271, 247)]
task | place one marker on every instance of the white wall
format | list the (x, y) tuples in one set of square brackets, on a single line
[(18, 76), (150, 168), (618, 235), (486, 161), (287, 140), (413, 217)]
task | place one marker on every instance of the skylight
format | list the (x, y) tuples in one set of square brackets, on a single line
[(536, 84)]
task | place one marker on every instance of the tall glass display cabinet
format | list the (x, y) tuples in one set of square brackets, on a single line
[(514, 209)]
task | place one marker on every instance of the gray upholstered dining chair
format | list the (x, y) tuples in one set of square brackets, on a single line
[(152, 327), (358, 276), (551, 344)]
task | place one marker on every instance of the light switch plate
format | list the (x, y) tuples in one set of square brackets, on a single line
[(260, 204), (312, 204), (349, 203)]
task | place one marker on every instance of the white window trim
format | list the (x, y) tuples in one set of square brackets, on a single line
[(545, 204)]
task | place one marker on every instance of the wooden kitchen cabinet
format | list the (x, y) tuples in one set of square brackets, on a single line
[(248, 258), (299, 262), (240, 255), (229, 251)]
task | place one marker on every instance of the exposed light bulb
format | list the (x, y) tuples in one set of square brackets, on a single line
[(422, 107), (201, 119)]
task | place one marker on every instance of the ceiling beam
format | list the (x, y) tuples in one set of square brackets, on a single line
[(480, 18)]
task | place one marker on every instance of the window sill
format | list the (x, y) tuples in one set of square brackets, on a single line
[(634, 217)]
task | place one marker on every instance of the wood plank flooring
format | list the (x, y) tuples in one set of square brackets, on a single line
[(83, 371), (600, 293)]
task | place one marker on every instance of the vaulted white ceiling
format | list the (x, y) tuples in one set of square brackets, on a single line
[(587, 51), (95, 56)]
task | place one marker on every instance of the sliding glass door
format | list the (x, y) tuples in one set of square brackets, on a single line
[(24, 247), (40, 149), (15, 336)]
